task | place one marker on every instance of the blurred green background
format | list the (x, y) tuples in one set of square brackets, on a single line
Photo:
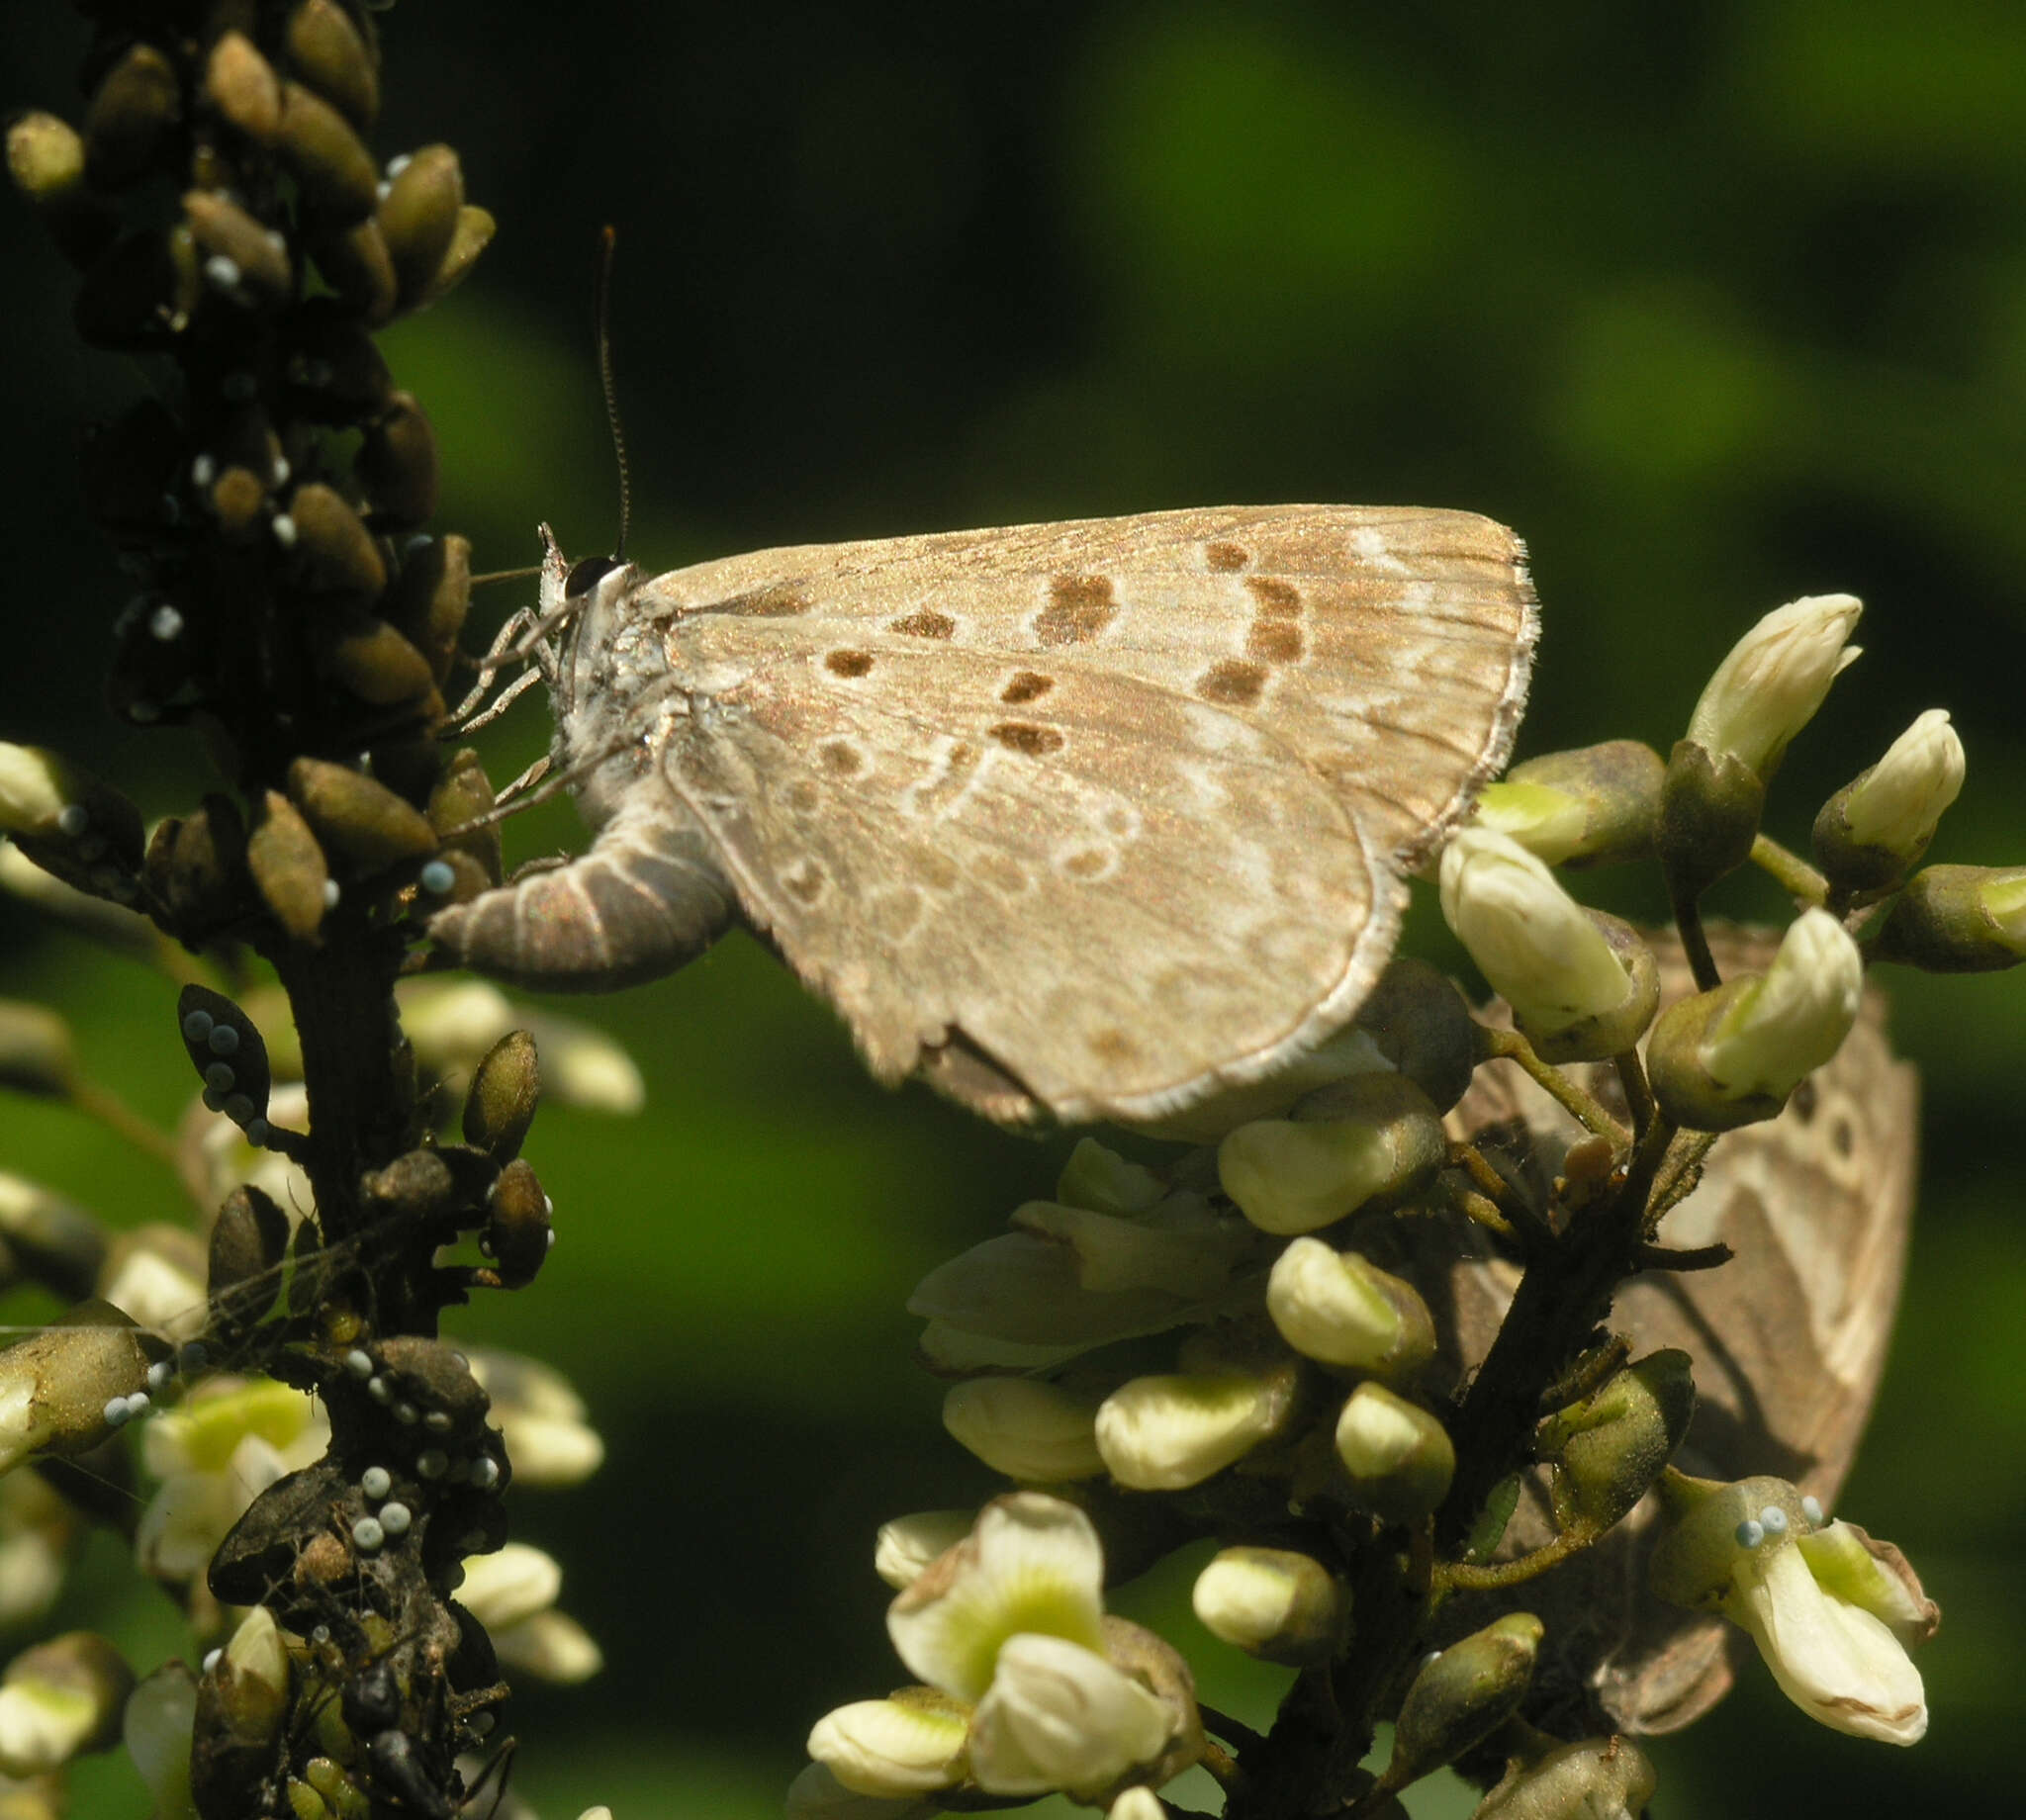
[(1718, 303)]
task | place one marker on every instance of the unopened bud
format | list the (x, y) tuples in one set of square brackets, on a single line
[(1543, 953), (241, 85), (1596, 805), (1874, 829), (1182, 1247), (1104, 1182), (418, 216), (1273, 1603), (1463, 1695), (1774, 680), (428, 601), (36, 1055), (336, 172), (130, 128), (328, 52), (1337, 1308), (248, 1241), (1593, 1779), (1163, 1433), (357, 816), (56, 1385), (396, 464), (67, 822), (1033, 1431), (894, 1748), (517, 1230), (253, 1675), (474, 233), (1380, 1140), (907, 1544), (61, 1699), (1732, 1056), (1711, 806), (1399, 1457), (53, 1241), (1418, 1021), (156, 1727), (506, 1088), (1610, 1449), (1959, 919), (288, 867)]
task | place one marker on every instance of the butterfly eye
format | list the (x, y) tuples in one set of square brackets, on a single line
[(585, 574)]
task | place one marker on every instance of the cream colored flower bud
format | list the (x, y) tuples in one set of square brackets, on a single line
[(1775, 679), (551, 1646), (1180, 1247), (541, 1415), (55, 1386), (893, 1747), (1336, 1308), (1463, 1695), (1031, 1563), (37, 790), (1900, 800), (1796, 1020), (1163, 1433), (1399, 1456), (509, 1584), (1105, 1182), (1059, 1715), (156, 1727), (1537, 947), (1381, 1139), (907, 1544), (59, 1700), (1033, 1431), (1138, 1802), (1273, 1603), (252, 1678)]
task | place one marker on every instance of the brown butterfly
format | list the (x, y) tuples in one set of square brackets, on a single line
[(1788, 1340), (1086, 820)]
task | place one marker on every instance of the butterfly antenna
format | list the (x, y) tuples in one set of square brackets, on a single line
[(608, 242)]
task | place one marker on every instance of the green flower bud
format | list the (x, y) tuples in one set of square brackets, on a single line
[(328, 52), (461, 795), (248, 1241), (1370, 1139), (1729, 1057), (518, 1232), (224, 231), (1418, 1021), (158, 1720), (1874, 829), (1593, 1779), (1463, 1695), (1774, 680), (1033, 1431), (1273, 1603), (241, 85), (1341, 1310), (225, 1049), (197, 867), (1166, 1433), (57, 1385), (372, 660), (1958, 919), (504, 1089), (1399, 1457), (431, 598), (356, 264), (339, 560), (1597, 805), (1610, 1449), (1711, 806), (334, 171), (418, 216)]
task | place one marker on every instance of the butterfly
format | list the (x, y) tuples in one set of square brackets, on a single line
[(1788, 1338), (1084, 821)]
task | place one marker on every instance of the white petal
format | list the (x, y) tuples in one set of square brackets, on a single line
[(1059, 1716), (512, 1583), (889, 1747), (907, 1544)]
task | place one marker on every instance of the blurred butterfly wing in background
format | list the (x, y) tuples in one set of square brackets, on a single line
[(1788, 1338), (1090, 819)]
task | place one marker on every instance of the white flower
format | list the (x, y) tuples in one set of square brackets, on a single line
[(1836, 1660), (1328, 1307), (1797, 1018), (1534, 943), (892, 1746), (1898, 801), (907, 1544), (1163, 1433), (541, 1416), (1270, 1602), (513, 1593), (1774, 680), (1059, 1715), (1031, 1563)]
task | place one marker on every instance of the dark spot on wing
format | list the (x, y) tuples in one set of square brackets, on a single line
[(1087, 863), (841, 758), (1079, 608), (1111, 1045), (1278, 600), (1231, 684), (804, 880), (1274, 641), (1842, 1137), (1026, 686), (847, 662), (936, 871), (1025, 736), (777, 600), (804, 796), (924, 624), (1225, 558), (1803, 1100)]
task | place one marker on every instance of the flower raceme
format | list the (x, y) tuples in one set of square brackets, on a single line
[(1028, 1686)]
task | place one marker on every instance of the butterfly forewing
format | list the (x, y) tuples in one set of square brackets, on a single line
[(1094, 817)]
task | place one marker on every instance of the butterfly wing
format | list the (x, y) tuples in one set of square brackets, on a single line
[(1094, 818)]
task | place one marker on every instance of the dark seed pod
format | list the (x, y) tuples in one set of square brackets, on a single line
[(327, 52), (357, 816), (241, 85), (356, 264), (430, 598), (225, 1049), (197, 867), (333, 168), (333, 372), (46, 160), (463, 795), (518, 1233), (242, 255), (475, 230), (417, 216), (248, 1241), (372, 660), (339, 560), (288, 867), (398, 465), (138, 295), (131, 125), (504, 1089), (128, 468)]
